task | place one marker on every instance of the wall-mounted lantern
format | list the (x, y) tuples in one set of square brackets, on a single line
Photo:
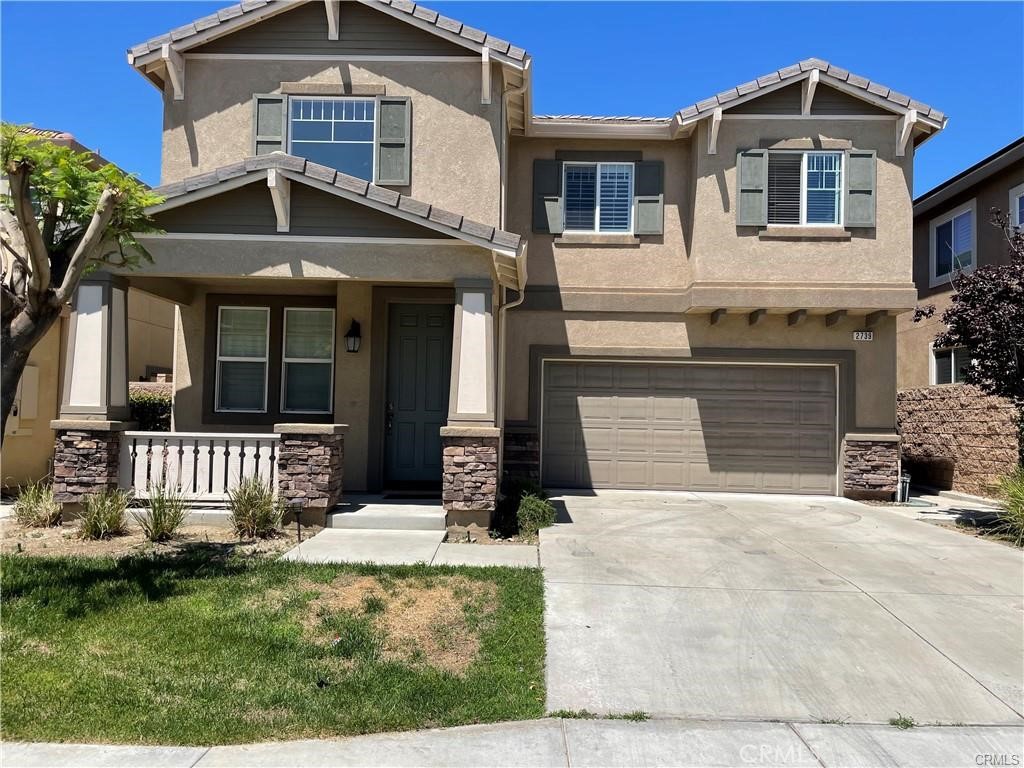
[(352, 337)]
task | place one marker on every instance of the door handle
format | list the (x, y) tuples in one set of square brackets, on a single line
[(389, 417)]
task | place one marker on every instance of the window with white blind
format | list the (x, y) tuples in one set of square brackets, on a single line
[(338, 133), (1017, 206), (952, 244), (243, 337), (307, 363), (948, 365), (598, 197), (805, 188)]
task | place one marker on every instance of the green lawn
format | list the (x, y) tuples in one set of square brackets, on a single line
[(207, 649)]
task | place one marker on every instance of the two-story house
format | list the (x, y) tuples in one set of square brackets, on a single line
[(953, 435), (367, 225)]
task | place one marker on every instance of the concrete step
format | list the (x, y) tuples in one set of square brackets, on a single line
[(388, 517)]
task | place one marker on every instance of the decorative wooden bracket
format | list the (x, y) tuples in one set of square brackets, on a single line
[(713, 126), (485, 75), (809, 86), (796, 317), (906, 129), (834, 317), (716, 316), (175, 64), (280, 193), (333, 8), (756, 316), (873, 318)]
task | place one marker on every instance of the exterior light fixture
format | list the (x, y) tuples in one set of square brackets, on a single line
[(352, 337)]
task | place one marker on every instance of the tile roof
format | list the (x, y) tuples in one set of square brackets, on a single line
[(898, 100), (257, 8), (349, 187), (46, 133)]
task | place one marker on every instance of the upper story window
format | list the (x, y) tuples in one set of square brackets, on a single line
[(952, 244), (805, 188), (948, 365), (338, 133), (1017, 206), (598, 197)]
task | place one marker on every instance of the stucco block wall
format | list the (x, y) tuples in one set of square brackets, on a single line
[(456, 139), (721, 251), (957, 437), (621, 335)]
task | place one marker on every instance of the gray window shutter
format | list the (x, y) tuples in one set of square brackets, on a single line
[(269, 123), (649, 198), (752, 188), (548, 197), (860, 188), (394, 141)]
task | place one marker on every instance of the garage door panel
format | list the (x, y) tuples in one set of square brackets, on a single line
[(736, 427)]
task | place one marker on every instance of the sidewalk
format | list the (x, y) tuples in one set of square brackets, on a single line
[(554, 742)]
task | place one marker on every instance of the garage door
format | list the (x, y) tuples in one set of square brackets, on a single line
[(704, 427)]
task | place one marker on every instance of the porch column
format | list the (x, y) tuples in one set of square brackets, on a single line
[(469, 443), (94, 404)]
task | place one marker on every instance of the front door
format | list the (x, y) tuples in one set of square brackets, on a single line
[(419, 375)]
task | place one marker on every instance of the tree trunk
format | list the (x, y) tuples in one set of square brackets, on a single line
[(16, 343)]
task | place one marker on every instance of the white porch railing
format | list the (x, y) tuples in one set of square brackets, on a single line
[(204, 465)]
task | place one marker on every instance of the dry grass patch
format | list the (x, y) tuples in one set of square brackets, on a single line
[(435, 621)]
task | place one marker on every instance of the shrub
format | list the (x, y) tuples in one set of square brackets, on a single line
[(534, 513), (103, 514), (513, 489), (1011, 518), (151, 409), (162, 513), (254, 509), (36, 507)]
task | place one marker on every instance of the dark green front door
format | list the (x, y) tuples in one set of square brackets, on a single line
[(419, 374)]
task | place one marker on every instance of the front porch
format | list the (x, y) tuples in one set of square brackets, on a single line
[(322, 363)]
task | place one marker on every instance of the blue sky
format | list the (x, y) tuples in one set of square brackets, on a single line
[(62, 64)]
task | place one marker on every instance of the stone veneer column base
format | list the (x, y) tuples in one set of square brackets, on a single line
[(871, 466), (86, 459), (310, 468), (470, 481)]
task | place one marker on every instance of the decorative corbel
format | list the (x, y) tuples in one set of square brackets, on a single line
[(175, 64), (280, 193), (485, 75), (906, 129), (809, 86), (333, 8), (716, 122)]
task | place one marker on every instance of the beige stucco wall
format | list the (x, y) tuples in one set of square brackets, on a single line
[(150, 334), (724, 252), (352, 379), (455, 138), (914, 344), (25, 456), (624, 336), (656, 261)]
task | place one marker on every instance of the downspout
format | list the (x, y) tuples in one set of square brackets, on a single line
[(499, 416)]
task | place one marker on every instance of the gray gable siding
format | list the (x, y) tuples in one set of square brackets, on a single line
[(248, 210), (787, 101), (303, 30)]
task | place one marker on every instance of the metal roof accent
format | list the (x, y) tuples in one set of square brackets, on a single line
[(352, 188), (603, 119), (256, 9), (796, 72)]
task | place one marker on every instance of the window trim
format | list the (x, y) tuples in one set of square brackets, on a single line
[(597, 198), (803, 187), (218, 359), (319, 361), (1016, 193), (373, 144), (936, 280), (933, 369)]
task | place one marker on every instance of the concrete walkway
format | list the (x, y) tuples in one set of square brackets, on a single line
[(389, 547), (564, 743), (755, 607)]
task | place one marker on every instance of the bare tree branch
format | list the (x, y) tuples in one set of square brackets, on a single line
[(87, 245), (50, 223), (10, 303), (39, 280)]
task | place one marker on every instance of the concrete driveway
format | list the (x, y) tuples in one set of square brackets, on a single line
[(728, 606)]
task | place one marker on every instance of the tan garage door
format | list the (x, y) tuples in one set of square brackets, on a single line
[(690, 426)]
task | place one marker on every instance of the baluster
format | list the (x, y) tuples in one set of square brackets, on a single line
[(181, 461), (227, 454), (273, 463), (195, 466), (134, 455), (209, 472), (256, 460), (149, 460)]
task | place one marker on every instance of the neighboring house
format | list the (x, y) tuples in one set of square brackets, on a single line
[(355, 195), (28, 444), (953, 435)]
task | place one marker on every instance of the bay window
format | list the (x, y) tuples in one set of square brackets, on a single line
[(805, 188)]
